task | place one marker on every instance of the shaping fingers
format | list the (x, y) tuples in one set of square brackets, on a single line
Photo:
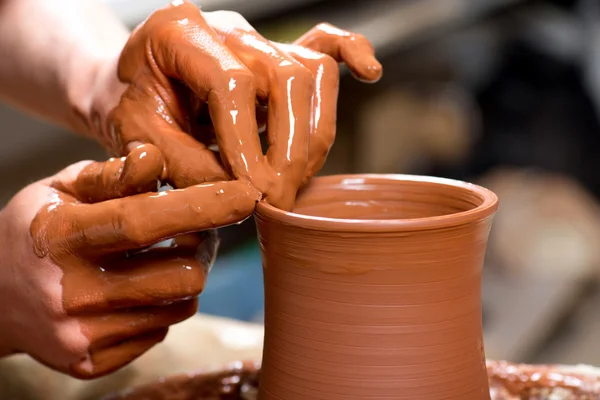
[(197, 57), (326, 75), (106, 330), (187, 161), (139, 172), (156, 276), (102, 362), (139, 221), (288, 86), (353, 49)]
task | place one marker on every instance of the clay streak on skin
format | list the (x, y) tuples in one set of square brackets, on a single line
[(102, 229), (119, 292), (292, 118)]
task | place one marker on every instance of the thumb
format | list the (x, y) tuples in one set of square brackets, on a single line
[(93, 182)]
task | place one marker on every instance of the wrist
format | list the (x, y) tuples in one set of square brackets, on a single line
[(90, 76), (93, 90)]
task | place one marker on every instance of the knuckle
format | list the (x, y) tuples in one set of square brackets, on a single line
[(69, 341), (231, 16), (243, 78), (166, 33), (52, 230), (225, 20), (294, 70), (357, 38), (130, 231), (323, 27), (330, 66), (303, 73), (78, 166)]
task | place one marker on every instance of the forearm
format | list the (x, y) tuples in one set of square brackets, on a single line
[(51, 53)]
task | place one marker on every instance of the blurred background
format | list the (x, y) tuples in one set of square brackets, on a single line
[(505, 93)]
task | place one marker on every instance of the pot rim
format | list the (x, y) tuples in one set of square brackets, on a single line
[(488, 206)]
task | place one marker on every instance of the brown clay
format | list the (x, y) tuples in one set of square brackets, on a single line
[(372, 290), (108, 297), (507, 382), (182, 63), (520, 381), (238, 381)]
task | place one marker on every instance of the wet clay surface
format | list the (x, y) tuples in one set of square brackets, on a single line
[(507, 382), (375, 308), (516, 381), (237, 382), (111, 295), (182, 65)]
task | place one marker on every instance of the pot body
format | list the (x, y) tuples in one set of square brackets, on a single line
[(373, 290)]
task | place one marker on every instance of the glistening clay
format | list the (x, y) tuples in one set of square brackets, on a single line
[(222, 68), (372, 290), (105, 296), (507, 382)]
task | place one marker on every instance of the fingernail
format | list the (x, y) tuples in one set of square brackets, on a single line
[(372, 70)]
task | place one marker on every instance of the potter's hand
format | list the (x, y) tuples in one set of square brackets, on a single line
[(81, 291), (181, 64), (285, 74)]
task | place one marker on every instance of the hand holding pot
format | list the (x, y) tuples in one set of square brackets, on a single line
[(81, 289), (190, 79)]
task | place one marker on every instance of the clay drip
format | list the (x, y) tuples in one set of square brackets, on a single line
[(379, 308)]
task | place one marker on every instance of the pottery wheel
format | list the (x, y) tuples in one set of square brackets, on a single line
[(239, 381)]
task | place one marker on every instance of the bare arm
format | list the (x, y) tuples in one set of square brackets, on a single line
[(51, 53)]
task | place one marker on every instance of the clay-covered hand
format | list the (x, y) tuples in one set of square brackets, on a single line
[(84, 289), (182, 64)]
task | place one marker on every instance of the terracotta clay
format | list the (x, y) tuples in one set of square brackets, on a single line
[(372, 290), (104, 292), (181, 63), (110, 292), (507, 382)]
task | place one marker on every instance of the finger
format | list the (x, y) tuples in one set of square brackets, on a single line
[(105, 361), (157, 276), (107, 330), (188, 162), (139, 221), (139, 172), (289, 86), (204, 131), (200, 60), (326, 74), (353, 49)]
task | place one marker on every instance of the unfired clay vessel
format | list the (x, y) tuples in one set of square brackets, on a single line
[(373, 290)]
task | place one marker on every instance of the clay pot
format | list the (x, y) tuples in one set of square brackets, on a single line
[(373, 290), (507, 382)]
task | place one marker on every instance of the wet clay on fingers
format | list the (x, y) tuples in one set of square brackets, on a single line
[(372, 290), (104, 291), (182, 63)]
